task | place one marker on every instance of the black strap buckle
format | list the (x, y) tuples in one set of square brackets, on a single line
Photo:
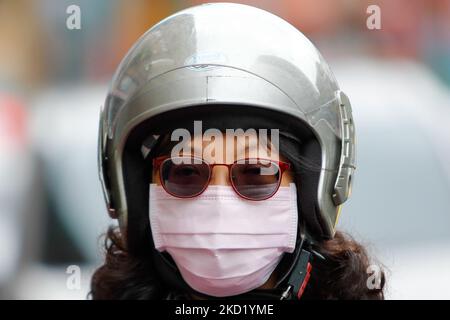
[(299, 277)]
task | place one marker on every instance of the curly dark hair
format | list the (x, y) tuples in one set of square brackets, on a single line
[(342, 275)]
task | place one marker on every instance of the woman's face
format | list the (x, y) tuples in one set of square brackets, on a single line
[(226, 152)]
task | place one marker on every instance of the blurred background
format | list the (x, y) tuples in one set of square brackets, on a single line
[(53, 81)]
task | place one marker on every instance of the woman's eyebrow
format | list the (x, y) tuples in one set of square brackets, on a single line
[(247, 148)]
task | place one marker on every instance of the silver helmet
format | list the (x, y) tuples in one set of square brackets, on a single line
[(242, 58)]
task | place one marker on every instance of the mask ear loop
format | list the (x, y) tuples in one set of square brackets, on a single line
[(298, 247)]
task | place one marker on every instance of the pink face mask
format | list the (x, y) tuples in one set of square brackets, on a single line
[(223, 244)]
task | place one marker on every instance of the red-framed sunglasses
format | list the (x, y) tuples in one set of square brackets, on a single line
[(251, 178)]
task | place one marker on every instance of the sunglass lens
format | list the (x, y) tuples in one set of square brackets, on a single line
[(184, 177), (255, 179)]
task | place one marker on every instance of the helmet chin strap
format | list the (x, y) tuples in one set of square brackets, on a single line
[(290, 287), (299, 277)]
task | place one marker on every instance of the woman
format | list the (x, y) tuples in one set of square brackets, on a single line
[(226, 152)]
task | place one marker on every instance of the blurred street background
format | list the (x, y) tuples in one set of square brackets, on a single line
[(53, 81)]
